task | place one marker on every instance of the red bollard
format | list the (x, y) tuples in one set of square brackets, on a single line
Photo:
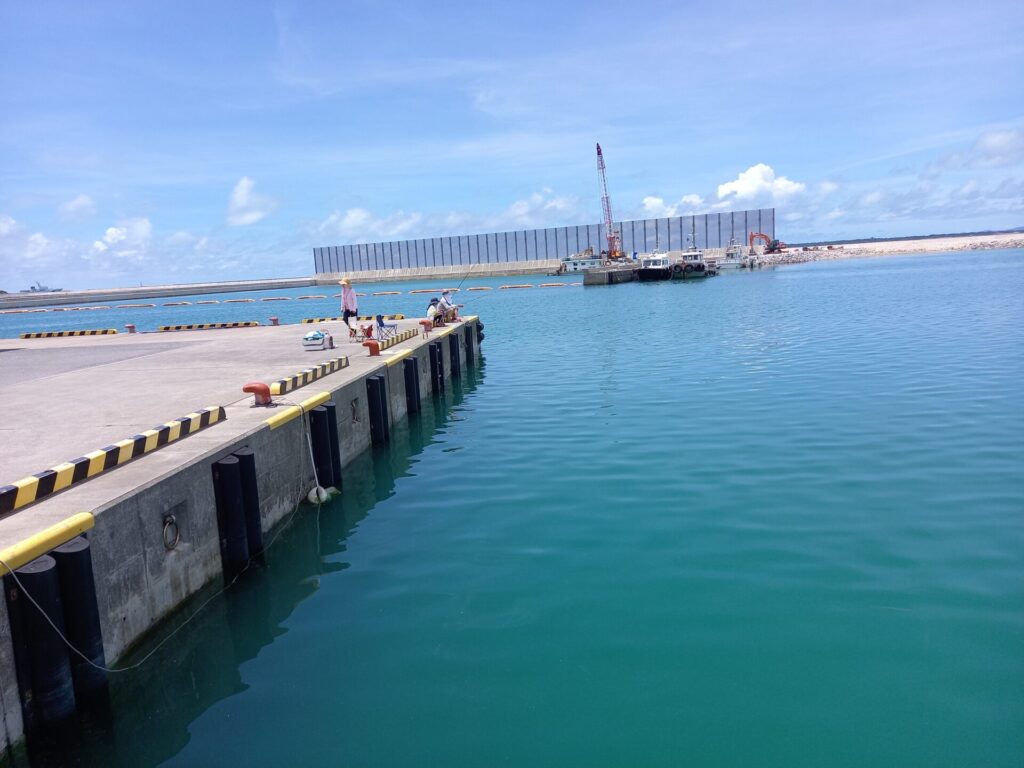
[(427, 325), (374, 347), (130, 327), (260, 390), (274, 321)]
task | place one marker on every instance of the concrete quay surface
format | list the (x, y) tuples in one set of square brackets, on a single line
[(71, 395), (67, 396)]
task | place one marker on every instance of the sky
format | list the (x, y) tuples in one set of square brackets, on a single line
[(154, 142)]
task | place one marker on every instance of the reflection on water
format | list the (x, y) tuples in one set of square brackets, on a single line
[(154, 705)]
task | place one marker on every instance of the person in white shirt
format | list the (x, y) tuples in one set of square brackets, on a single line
[(447, 308)]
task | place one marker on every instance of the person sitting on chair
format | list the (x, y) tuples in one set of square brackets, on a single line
[(448, 310), (434, 313)]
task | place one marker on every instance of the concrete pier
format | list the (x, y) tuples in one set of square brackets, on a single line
[(608, 275), (67, 397)]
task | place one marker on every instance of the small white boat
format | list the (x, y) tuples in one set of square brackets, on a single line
[(578, 262), (733, 258), (691, 264), (654, 266)]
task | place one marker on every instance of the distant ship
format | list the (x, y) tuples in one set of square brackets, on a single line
[(40, 288)]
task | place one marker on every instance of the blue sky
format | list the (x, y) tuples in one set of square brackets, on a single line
[(146, 142)]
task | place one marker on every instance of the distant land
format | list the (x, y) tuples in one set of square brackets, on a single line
[(795, 253), (910, 238)]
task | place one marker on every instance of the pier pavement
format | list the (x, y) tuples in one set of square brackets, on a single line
[(64, 397)]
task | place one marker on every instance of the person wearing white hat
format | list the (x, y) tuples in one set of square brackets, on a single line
[(349, 305), (446, 306)]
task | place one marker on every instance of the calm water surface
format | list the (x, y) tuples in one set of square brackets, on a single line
[(775, 519)]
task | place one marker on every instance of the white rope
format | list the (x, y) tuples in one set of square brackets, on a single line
[(281, 528)]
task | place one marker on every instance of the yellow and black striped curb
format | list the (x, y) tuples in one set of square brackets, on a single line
[(42, 484), (340, 320), (54, 334), (308, 376), (205, 326), (398, 338)]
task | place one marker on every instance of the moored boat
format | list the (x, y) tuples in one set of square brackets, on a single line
[(691, 264), (577, 262), (733, 257), (654, 266)]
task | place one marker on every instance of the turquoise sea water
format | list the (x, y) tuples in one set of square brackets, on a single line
[(772, 519)]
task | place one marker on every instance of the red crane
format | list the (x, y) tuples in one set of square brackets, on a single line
[(614, 250)]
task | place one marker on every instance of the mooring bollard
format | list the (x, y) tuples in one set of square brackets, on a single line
[(82, 617), (427, 325), (260, 392), (274, 321), (373, 346), (130, 327), (234, 547), (250, 500), (52, 693)]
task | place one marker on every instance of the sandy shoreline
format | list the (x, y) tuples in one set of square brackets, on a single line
[(901, 248)]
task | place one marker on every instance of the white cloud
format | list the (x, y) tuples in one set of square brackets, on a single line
[(834, 214), (37, 246), (655, 207), (7, 225), (993, 149), (180, 237), (999, 148), (129, 239), (246, 206), (77, 208), (539, 209), (869, 199), (759, 183), (827, 187)]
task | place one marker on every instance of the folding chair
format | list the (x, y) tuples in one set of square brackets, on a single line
[(385, 330), (362, 332)]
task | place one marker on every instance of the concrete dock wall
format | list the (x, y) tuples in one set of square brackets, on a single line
[(140, 582), (453, 272)]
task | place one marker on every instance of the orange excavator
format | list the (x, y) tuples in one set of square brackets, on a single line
[(770, 245)]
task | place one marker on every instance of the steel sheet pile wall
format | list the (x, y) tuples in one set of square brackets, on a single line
[(712, 230)]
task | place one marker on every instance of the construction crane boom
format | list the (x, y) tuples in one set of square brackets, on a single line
[(606, 208)]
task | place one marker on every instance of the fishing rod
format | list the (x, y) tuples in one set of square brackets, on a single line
[(471, 266)]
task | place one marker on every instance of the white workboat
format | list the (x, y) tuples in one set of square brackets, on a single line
[(654, 266), (733, 258), (691, 264), (577, 262)]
